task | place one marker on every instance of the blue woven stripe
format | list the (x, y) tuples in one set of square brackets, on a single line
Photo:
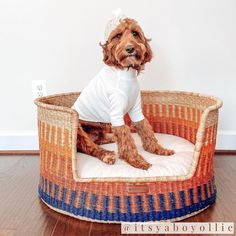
[(182, 199), (213, 182), (199, 196), (50, 188), (205, 191), (64, 192), (128, 209), (141, 215), (162, 206), (151, 207), (46, 185), (63, 198), (172, 213), (93, 203), (150, 203), (72, 202), (172, 200), (81, 210), (117, 208), (83, 196), (190, 191), (105, 212), (42, 182), (56, 188), (128, 216), (162, 201)]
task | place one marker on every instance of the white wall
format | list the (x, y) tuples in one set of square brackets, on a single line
[(194, 43)]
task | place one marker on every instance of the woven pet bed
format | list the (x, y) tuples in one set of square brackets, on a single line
[(191, 116)]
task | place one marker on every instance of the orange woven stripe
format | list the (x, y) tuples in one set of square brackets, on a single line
[(100, 198), (170, 129), (162, 118), (54, 157), (187, 197), (111, 207), (67, 153), (145, 202), (122, 204), (133, 203), (208, 189), (203, 197), (43, 148), (167, 201), (52, 146), (176, 193), (195, 196)]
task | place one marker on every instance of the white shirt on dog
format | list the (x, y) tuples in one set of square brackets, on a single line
[(109, 96)]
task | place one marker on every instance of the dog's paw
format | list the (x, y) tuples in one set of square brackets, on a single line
[(158, 149), (138, 161), (109, 158), (142, 164), (164, 152)]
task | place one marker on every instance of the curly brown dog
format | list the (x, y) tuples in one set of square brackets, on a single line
[(125, 49)]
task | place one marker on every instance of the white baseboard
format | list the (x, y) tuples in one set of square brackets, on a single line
[(19, 141), (226, 140)]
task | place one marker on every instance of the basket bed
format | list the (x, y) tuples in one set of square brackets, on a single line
[(191, 116)]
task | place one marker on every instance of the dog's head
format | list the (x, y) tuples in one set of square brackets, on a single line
[(127, 46)]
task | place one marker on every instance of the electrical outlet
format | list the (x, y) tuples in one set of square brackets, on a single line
[(39, 88)]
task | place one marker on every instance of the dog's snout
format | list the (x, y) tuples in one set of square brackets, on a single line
[(130, 49)]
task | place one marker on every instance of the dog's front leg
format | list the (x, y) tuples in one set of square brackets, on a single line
[(149, 141), (127, 149)]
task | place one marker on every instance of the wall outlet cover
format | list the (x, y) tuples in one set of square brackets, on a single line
[(39, 88)]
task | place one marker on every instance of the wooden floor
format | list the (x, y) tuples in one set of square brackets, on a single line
[(22, 213)]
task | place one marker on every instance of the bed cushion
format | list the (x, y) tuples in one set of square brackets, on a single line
[(175, 165)]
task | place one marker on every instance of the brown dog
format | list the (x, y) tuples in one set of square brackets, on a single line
[(125, 49)]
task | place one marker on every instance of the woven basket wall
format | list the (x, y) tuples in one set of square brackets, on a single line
[(188, 115)]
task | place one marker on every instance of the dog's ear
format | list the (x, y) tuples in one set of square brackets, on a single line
[(148, 54), (106, 53)]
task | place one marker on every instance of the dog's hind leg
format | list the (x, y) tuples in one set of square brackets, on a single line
[(106, 138), (99, 133), (87, 146)]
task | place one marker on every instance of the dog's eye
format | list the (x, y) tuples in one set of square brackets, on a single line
[(135, 33), (118, 36)]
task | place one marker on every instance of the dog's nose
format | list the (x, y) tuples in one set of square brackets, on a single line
[(130, 49)]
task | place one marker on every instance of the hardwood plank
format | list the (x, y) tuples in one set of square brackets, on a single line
[(225, 152), (38, 221), (7, 232), (16, 191), (19, 196), (70, 226), (19, 152), (99, 229)]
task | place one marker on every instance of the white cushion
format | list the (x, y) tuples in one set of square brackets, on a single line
[(175, 165)]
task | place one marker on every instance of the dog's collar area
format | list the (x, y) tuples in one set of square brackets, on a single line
[(127, 73)]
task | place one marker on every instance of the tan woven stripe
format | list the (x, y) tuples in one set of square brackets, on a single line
[(67, 152)]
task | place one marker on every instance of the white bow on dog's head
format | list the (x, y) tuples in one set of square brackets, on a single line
[(117, 16)]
